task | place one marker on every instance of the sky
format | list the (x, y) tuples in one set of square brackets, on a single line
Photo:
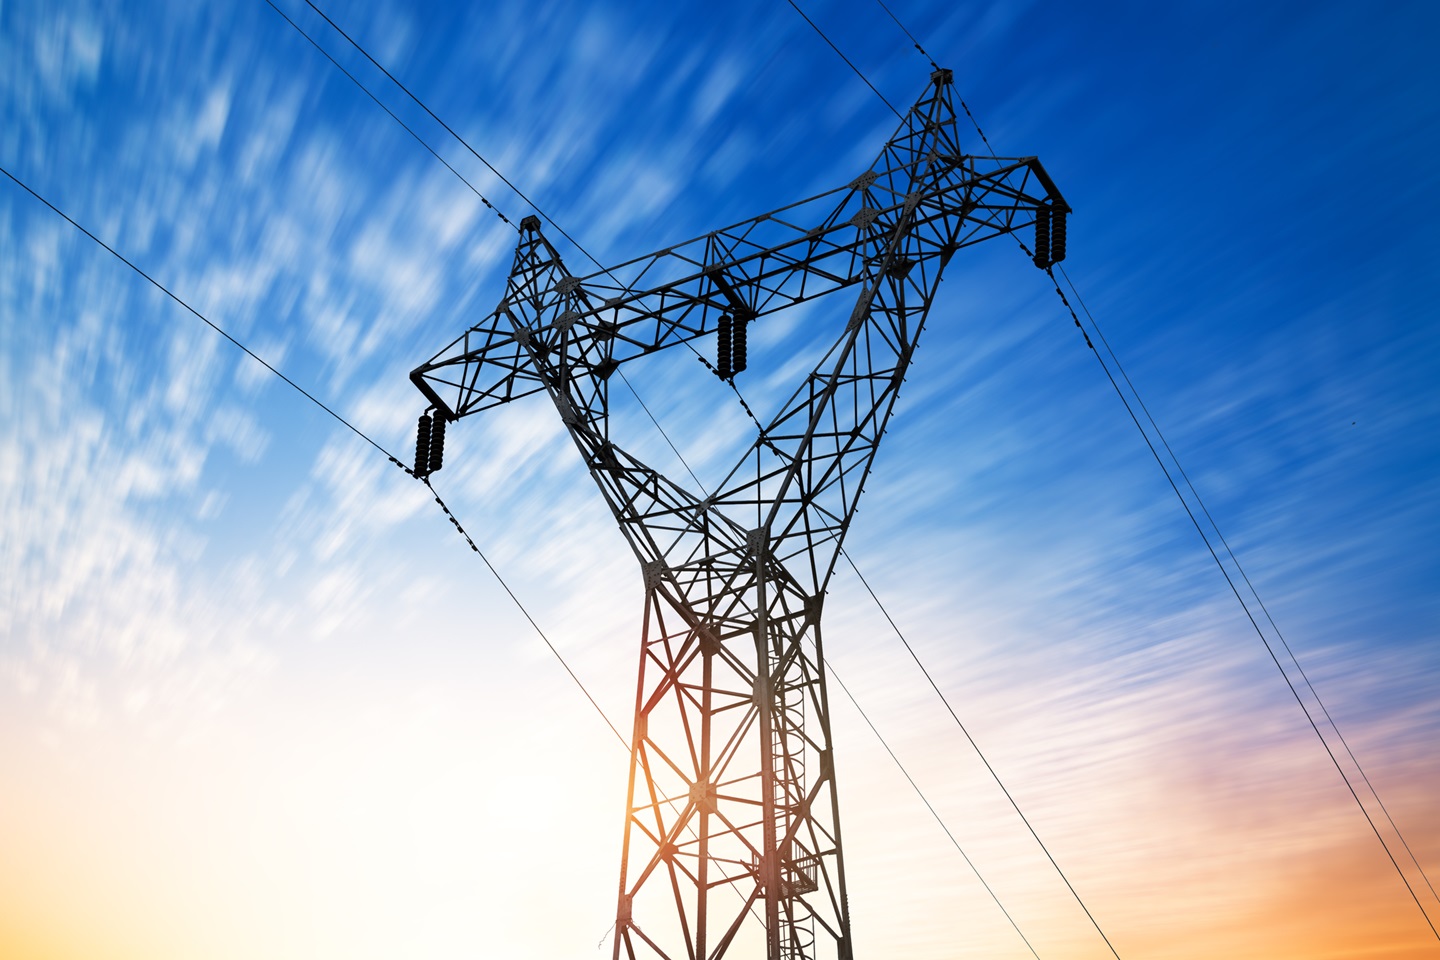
[(257, 698)]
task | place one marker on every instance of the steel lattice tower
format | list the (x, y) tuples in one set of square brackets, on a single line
[(732, 828)]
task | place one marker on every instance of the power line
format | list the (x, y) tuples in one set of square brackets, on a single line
[(842, 56), (418, 139), (1234, 589), (448, 513), (1078, 899), (548, 219), (350, 426), (978, 752), (631, 388), (864, 716), (666, 436), (581, 248), (211, 324), (448, 129), (926, 54), (440, 501), (1196, 494), (435, 494), (625, 744), (443, 506), (501, 580), (674, 449), (1243, 605), (1246, 577), (913, 39), (873, 729)]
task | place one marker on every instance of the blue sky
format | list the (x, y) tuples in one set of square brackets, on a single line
[(247, 669)]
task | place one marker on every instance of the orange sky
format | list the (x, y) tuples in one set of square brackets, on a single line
[(259, 702), (386, 824)]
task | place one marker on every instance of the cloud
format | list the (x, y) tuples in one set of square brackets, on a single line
[(192, 551), (66, 53)]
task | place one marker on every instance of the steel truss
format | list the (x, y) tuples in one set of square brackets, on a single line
[(732, 830)]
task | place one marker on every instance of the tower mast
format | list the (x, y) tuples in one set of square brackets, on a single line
[(732, 840)]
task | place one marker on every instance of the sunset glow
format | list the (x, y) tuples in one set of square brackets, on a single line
[(259, 700)]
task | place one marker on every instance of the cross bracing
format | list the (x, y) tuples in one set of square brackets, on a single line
[(732, 839)]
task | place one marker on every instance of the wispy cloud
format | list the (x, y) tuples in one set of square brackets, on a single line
[(193, 555)]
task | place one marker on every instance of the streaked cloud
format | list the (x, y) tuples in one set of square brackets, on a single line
[(247, 669)]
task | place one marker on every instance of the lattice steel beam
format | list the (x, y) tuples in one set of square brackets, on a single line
[(732, 833)]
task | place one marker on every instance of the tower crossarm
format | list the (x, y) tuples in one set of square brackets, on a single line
[(753, 268), (805, 471)]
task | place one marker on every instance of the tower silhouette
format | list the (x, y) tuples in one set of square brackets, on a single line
[(732, 838)]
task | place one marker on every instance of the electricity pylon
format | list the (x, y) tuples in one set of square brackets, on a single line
[(732, 829)]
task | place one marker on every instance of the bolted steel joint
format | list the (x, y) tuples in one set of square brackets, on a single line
[(654, 572)]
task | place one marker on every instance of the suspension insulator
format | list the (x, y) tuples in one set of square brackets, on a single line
[(437, 444), (722, 347), (422, 446), (1042, 237), (1057, 235), (737, 350)]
